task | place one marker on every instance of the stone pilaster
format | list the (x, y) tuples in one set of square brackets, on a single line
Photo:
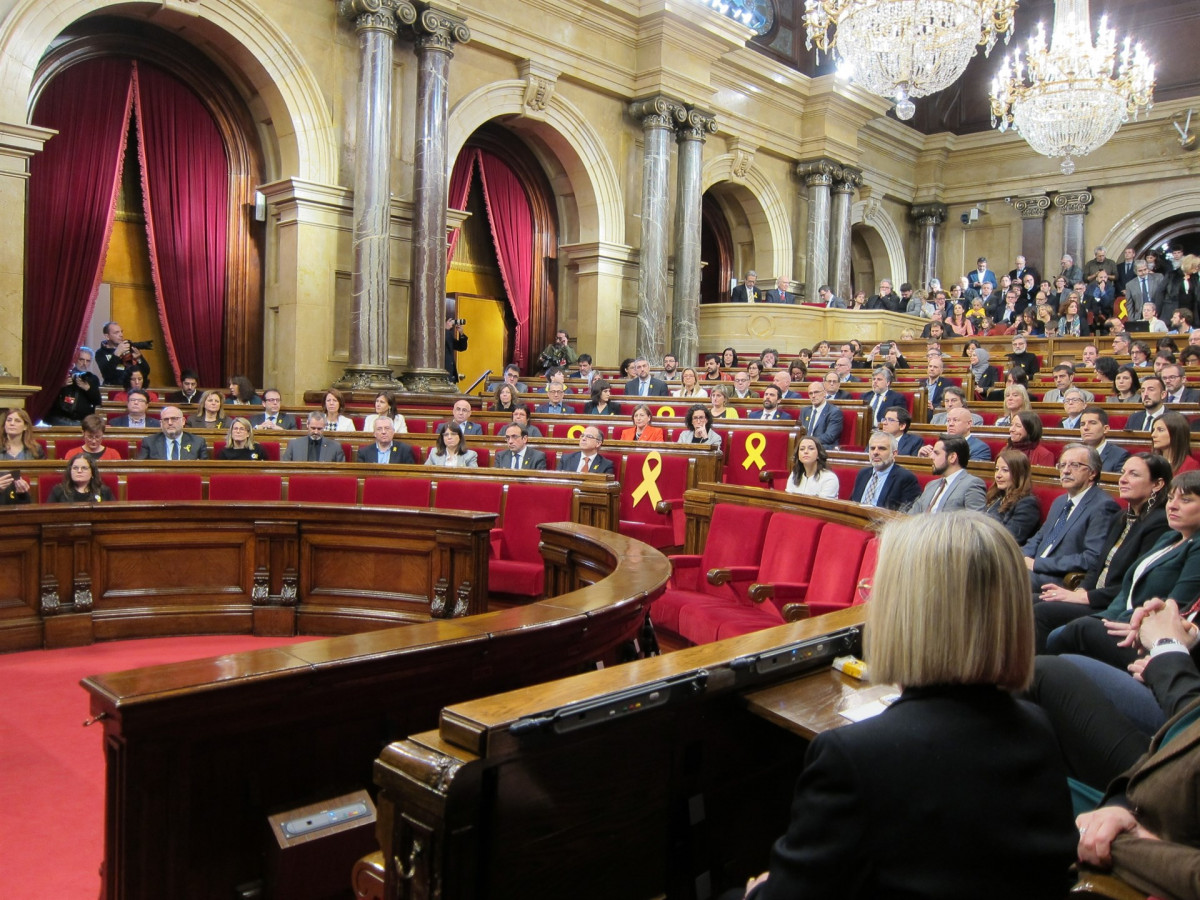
[(929, 216), (685, 340), (839, 237), (1074, 206), (376, 22), (436, 33), (818, 175), (1033, 229), (657, 116)]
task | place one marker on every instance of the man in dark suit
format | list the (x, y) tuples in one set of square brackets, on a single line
[(136, 404), (1126, 269), (80, 396), (316, 447), (886, 299), (934, 384), (747, 293), (1020, 270), (519, 456), (1021, 356), (1073, 535), (173, 443), (386, 448), (884, 484), (1093, 432), (1177, 392), (828, 299), (460, 418), (1154, 392), (895, 422), (642, 384), (881, 395), (822, 419), (587, 458), (189, 389), (833, 387), (554, 401), (272, 418), (780, 293), (770, 406)]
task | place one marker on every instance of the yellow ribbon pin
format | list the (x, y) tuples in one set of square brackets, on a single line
[(651, 466), (574, 432), (666, 412), (755, 443)]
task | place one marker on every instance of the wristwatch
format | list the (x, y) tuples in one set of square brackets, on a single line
[(1167, 645), (1162, 642)]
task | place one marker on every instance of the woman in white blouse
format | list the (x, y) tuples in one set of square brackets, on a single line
[(385, 405), (451, 450), (810, 475), (691, 385), (334, 404)]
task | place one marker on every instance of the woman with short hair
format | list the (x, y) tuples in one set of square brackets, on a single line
[(334, 403), (720, 397), (699, 429), (504, 398), (451, 450), (643, 428), (1025, 436), (601, 403), (1016, 399)]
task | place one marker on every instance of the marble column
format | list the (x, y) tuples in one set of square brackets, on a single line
[(1073, 205), (685, 340), (657, 115), (929, 216), (436, 33), (818, 175), (1033, 229), (376, 25), (839, 257)]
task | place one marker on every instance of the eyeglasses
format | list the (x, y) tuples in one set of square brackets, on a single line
[(1071, 466), (588, 437)]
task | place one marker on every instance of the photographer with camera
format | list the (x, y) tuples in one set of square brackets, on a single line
[(455, 341), (118, 356), (560, 353), (80, 396)]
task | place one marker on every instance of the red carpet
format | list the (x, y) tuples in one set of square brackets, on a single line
[(52, 786)]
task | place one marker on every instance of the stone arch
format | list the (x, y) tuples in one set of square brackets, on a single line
[(869, 213), (745, 192), (257, 56), (569, 149), (1136, 223)]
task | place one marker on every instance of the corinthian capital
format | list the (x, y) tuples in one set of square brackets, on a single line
[(378, 15)]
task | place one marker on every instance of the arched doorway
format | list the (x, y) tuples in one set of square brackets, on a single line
[(716, 253), (241, 282), (1184, 228)]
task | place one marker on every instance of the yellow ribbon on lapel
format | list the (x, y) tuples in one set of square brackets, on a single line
[(755, 442), (651, 466)]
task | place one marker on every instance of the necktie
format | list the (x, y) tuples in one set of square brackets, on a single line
[(1059, 526), (1149, 423), (516, 461), (270, 420), (584, 464), (872, 487), (174, 450), (645, 388), (937, 495), (1145, 290)]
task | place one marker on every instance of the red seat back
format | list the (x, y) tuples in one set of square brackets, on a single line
[(789, 548), (735, 537), (47, 481), (379, 490), (144, 486), (1045, 496), (323, 489), (835, 573), (527, 506), (749, 451), (63, 445), (224, 486), (468, 493), (846, 476), (667, 474)]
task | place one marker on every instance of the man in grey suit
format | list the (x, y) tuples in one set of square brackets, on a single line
[(642, 384), (1076, 526), (780, 293), (272, 418), (518, 455), (173, 443), (1144, 286), (314, 448), (956, 488), (828, 299), (822, 419)]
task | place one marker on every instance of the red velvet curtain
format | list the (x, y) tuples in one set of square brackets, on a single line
[(73, 187), (461, 177), (511, 218), (185, 192)]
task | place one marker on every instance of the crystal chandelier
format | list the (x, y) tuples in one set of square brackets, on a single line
[(906, 48), (1065, 101)]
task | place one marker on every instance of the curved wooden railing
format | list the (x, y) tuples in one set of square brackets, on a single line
[(200, 753)]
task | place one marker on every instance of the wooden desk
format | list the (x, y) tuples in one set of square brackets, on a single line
[(814, 703)]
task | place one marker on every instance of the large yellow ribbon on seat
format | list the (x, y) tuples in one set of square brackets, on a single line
[(651, 466), (574, 432), (666, 412), (755, 442)]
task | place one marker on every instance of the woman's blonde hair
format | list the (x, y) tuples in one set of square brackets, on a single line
[(950, 616), (240, 420)]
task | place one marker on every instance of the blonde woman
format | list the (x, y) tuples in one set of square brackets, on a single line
[(211, 414), (690, 385), (239, 442)]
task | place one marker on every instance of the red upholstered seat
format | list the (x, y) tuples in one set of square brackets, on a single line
[(749, 451), (639, 519), (846, 476), (786, 563), (1045, 496), (143, 486), (735, 538), (381, 491), (222, 486), (516, 565), (322, 489), (468, 493), (866, 574), (849, 438)]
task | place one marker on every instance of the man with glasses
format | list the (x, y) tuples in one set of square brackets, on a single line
[(272, 418), (883, 484), (895, 422), (1177, 392), (173, 443), (1077, 524), (1073, 405), (136, 404), (588, 458)]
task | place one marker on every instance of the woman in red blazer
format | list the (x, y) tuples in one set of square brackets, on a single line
[(642, 430)]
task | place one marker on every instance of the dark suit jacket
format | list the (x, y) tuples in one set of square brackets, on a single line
[(1143, 535), (829, 425), (1021, 519), (297, 451), (286, 421), (779, 414), (739, 294), (123, 422), (1083, 540), (190, 447), (1175, 575), (570, 463), (469, 428), (909, 444), (533, 459), (1137, 421), (900, 489), (1190, 395), (1112, 458), (658, 388), (939, 388), (890, 302), (400, 453), (890, 398), (857, 833), (777, 296)]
